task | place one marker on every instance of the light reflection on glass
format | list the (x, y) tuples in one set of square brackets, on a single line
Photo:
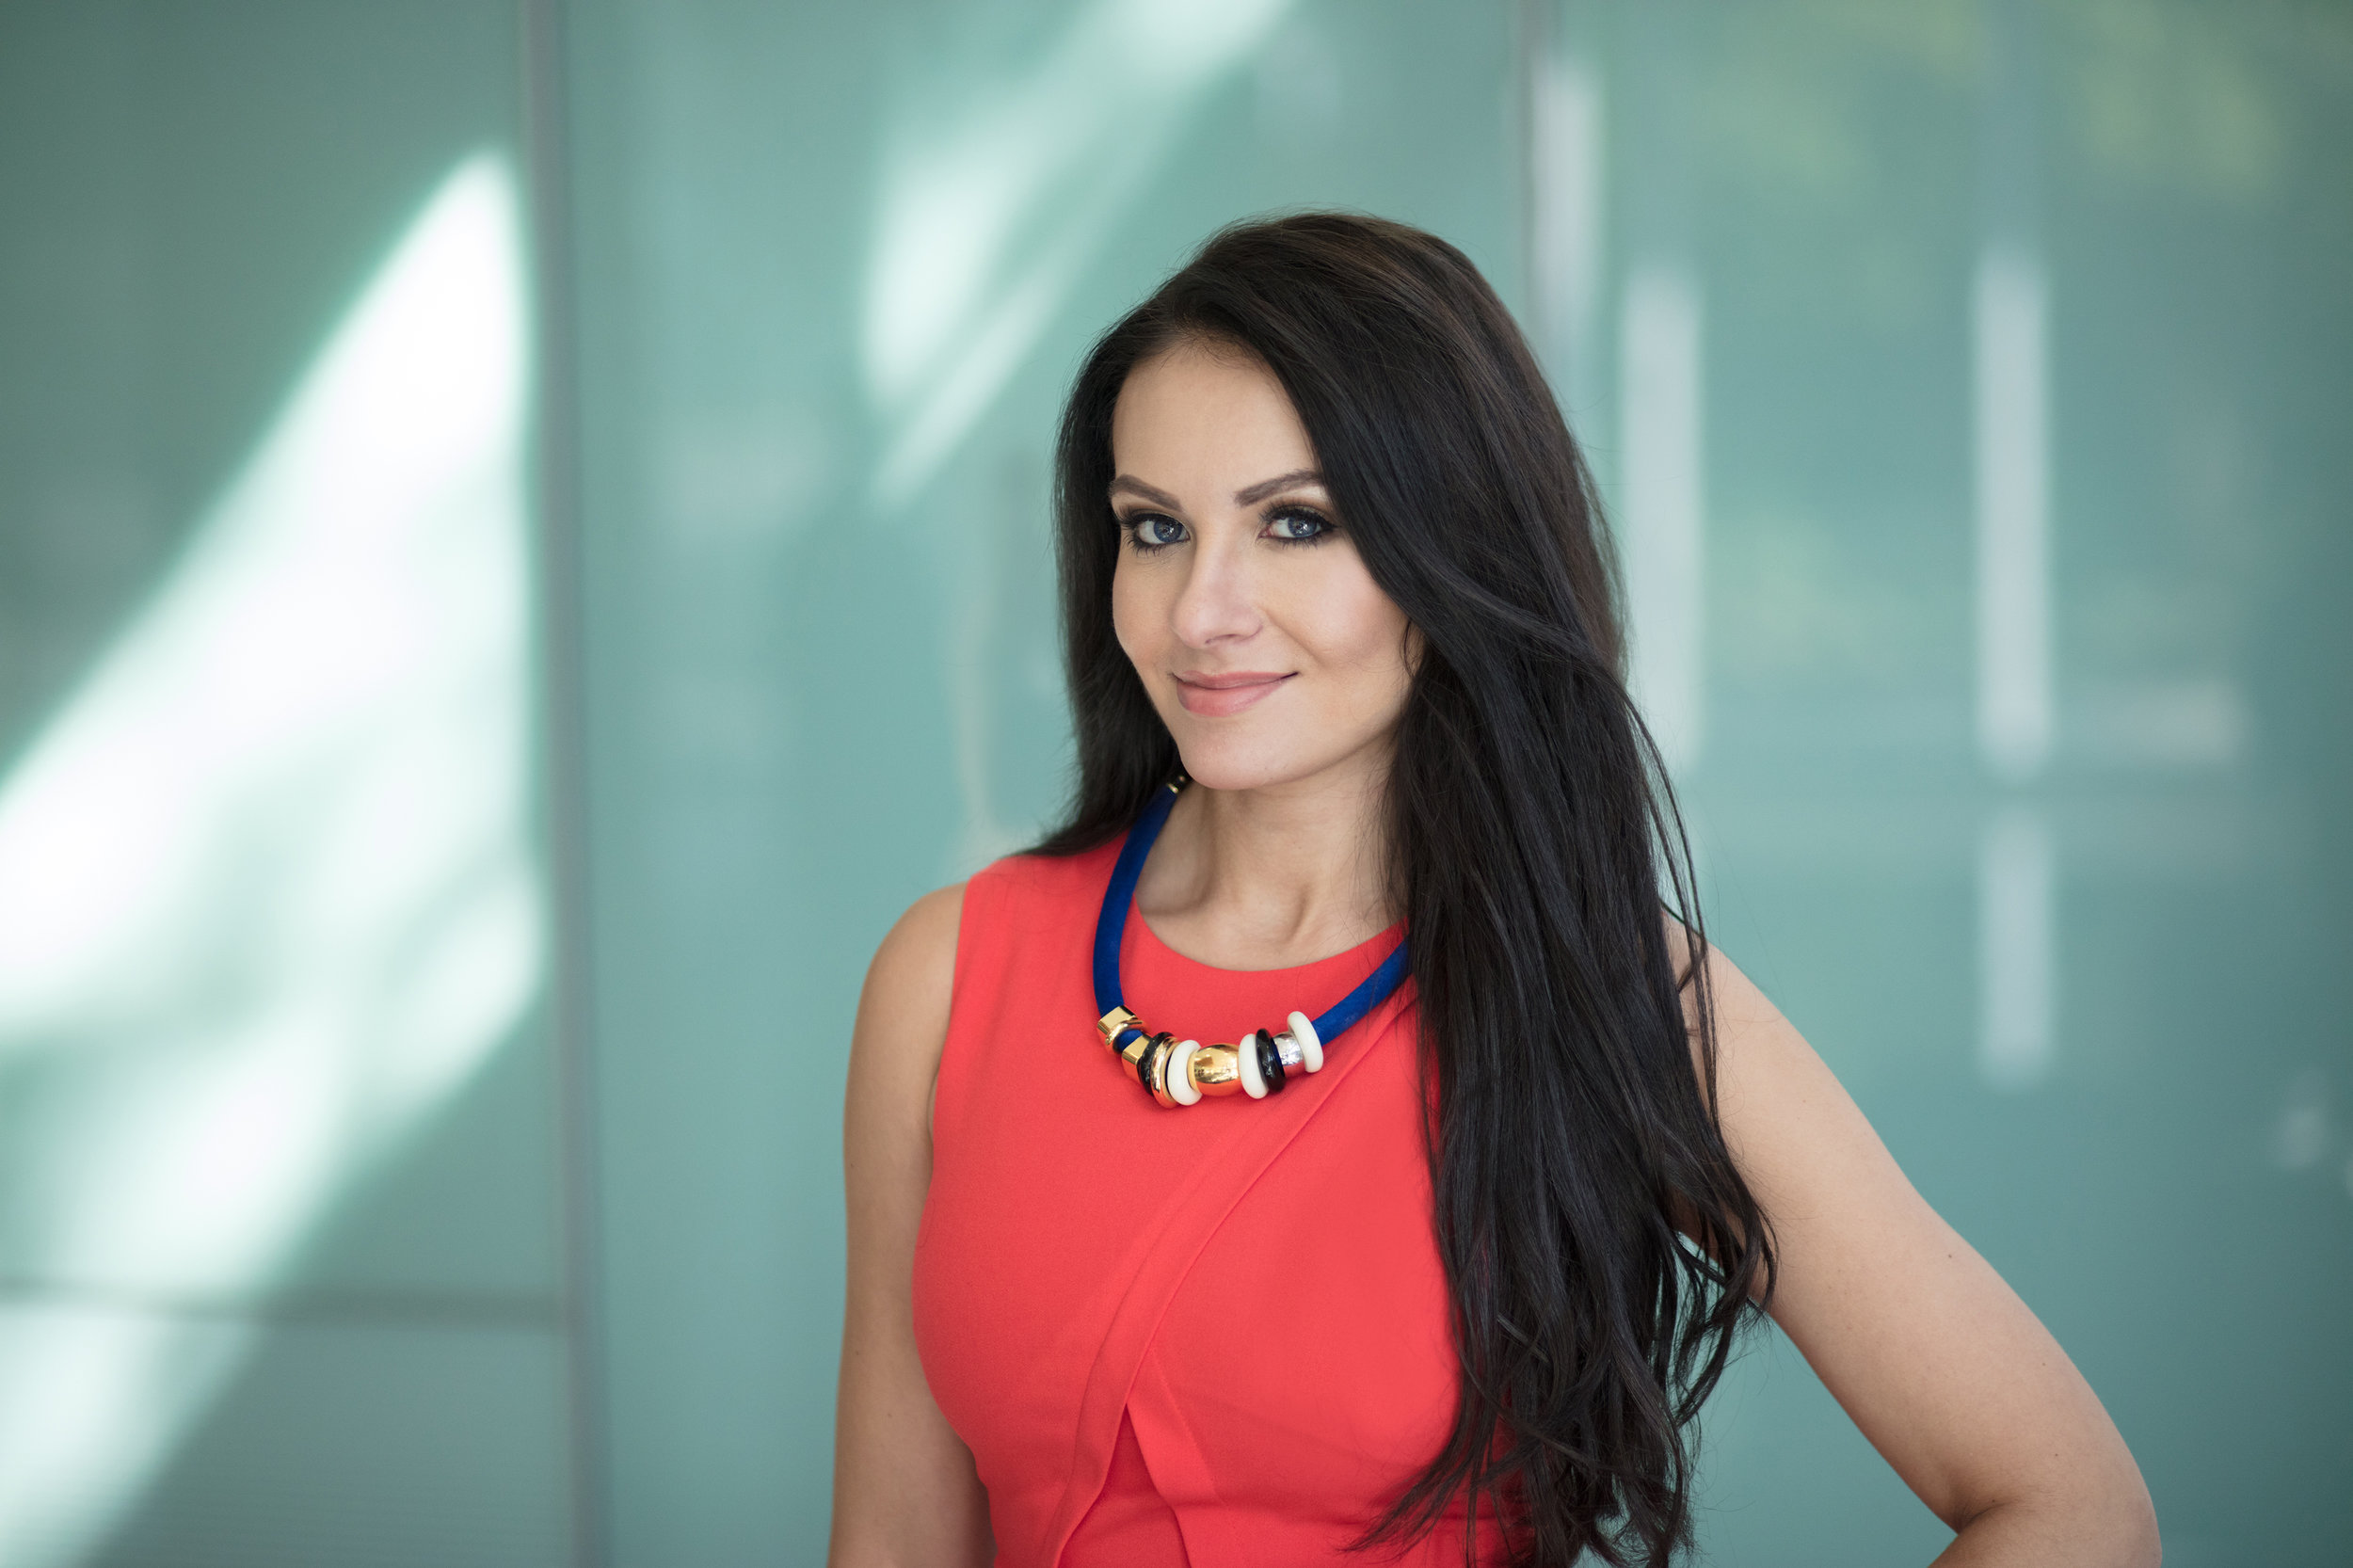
[(1568, 157), (1663, 516), (987, 215), (266, 888), (2017, 898), (990, 210), (2014, 718)]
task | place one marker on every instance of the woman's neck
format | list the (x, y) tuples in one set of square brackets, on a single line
[(1273, 877)]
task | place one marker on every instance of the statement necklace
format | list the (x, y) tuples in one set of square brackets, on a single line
[(1180, 1072)]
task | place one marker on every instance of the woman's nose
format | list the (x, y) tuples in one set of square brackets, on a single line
[(1216, 603)]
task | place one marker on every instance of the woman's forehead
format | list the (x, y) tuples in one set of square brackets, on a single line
[(1196, 419)]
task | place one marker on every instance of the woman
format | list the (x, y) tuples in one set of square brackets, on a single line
[(1455, 1270)]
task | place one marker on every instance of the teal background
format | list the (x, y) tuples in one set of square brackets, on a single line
[(805, 284)]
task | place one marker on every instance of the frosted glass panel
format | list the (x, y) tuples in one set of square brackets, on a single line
[(1986, 589), (272, 929)]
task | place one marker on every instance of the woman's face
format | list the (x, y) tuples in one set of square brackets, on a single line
[(1268, 649)]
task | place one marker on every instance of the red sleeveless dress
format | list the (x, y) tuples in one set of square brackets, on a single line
[(1213, 1335)]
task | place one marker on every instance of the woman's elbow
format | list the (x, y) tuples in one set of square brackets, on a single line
[(2115, 1526), (2135, 1528), (2104, 1522)]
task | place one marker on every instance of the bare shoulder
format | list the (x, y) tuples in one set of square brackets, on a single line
[(1789, 1123), (905, 1487), (919, 952), (894, 1059), (903, 1009), (1750, 1034), (1938, 1362)]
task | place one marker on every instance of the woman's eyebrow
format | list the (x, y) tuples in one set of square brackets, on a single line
[(1249, 496), (1276, 485), (1137, 487)]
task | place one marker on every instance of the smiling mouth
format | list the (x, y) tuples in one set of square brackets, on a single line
[(1217, 696)]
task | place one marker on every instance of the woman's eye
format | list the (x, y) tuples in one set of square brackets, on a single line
[(1152, 531), (1298, 526)]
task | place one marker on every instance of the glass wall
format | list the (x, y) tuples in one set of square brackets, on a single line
[(279, 1280), (1970, 381), (433, 902)]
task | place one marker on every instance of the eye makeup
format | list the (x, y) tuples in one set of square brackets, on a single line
[(1148, 532)]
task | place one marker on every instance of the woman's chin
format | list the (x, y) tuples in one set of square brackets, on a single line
[(1226, 765)]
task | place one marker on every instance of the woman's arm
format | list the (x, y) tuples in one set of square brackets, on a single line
[(1942, 1367), (904, 1493)]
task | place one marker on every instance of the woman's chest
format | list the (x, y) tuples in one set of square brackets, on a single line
[(1278, 1304)]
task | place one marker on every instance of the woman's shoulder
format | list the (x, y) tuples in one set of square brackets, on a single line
[(914, 970), (920, 949), (1033, 874), (911, 985), (1031, 893), (929, 921)]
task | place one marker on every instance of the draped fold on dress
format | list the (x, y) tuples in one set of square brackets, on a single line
[(1215, 1335)]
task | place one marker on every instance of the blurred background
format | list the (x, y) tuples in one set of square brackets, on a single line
[(523, 546)]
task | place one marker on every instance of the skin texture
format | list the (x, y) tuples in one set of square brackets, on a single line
[(1272, 860)]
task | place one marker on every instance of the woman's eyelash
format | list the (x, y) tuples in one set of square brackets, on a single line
[(1324, 527), (1135, 525)]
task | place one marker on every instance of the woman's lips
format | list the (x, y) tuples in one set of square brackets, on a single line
[(1217, 696)]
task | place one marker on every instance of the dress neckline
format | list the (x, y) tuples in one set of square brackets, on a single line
[(1380, 942)]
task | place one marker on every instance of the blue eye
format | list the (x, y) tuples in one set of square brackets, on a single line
[(1298, 525), (1151, 531)]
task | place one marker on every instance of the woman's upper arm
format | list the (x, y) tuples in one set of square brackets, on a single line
[(905, 1491), (1939, 1363)]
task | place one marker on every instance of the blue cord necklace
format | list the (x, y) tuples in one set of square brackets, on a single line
[(1181, 1072)]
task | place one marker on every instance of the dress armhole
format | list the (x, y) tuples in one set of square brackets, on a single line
[(979, 972), (976, 923)]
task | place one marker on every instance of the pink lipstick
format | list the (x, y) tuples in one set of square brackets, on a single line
[(1218, 696)]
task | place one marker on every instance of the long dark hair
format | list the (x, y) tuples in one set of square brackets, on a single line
[(1535, 840)]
